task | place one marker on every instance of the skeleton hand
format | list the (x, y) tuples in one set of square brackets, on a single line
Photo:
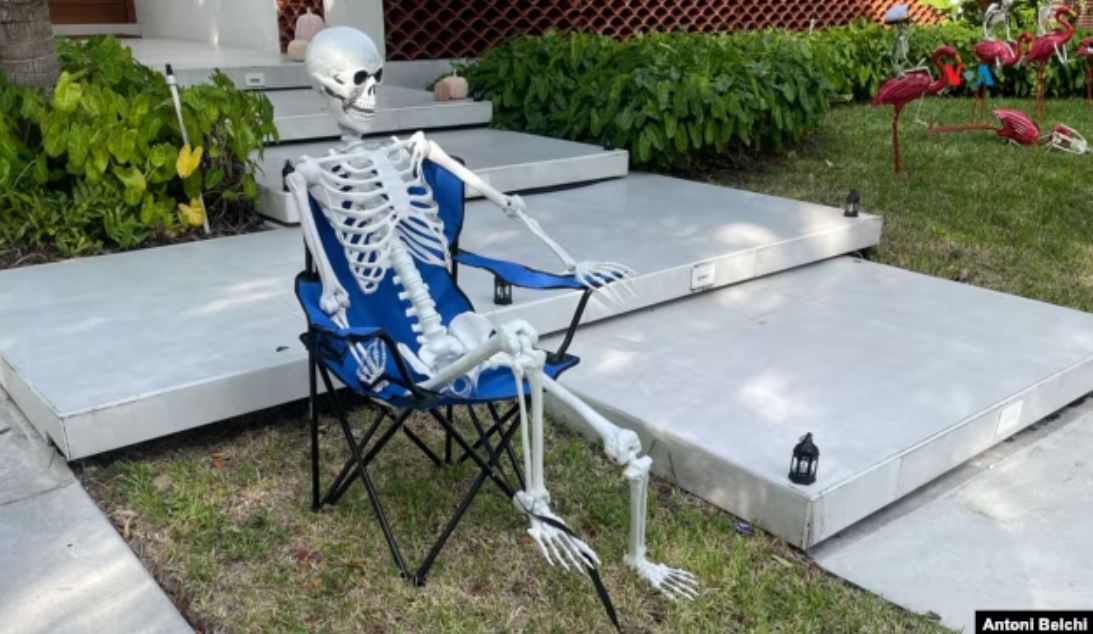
[(673, 582), (555, 543), (600, 275), (517, 337), (333, 300)]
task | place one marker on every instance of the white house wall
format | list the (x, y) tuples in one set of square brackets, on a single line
[(366, 15), (239, 23)]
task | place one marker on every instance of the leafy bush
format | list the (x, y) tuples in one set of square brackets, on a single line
[(670, 99), (100, 163), (856, 59), (674, 99)]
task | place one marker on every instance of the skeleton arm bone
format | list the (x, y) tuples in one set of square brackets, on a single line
[(513, 206), (334, 299), (590, 274)]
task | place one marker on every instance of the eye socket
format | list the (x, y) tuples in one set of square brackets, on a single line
[(360, 77), (379, 76)]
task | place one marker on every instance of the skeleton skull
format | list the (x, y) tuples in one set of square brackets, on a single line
[(345, 66)]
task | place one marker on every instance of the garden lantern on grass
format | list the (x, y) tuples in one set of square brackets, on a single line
[(805, 461)]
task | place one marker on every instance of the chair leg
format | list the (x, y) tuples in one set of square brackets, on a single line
[(313, 411), (498, 421), (507, 490), (344, 477), (448, 441), (362, 471), (422, 446), (334, 494), (486, 471)]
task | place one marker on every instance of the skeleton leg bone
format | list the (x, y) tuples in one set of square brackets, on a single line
[(623, 446)]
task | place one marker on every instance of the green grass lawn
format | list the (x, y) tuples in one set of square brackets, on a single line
[(221, 517), (972, 208), (222, 520)]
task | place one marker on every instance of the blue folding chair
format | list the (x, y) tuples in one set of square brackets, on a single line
[(395, 396)]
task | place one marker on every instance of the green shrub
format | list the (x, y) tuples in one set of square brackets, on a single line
[(96, 164), (670, 99), (855, 59), (675, 99)]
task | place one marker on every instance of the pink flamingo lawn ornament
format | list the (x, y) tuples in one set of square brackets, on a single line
[(1085, 49), (1016, 126), (1043, 47), (998, 54), (900, 91)]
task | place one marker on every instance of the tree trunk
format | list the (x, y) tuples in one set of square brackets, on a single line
[(27, 55)]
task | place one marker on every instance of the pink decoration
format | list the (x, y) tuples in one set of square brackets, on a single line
[(307, 25)]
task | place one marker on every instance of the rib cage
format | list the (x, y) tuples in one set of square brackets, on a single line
[(383, 213), (374, 195)]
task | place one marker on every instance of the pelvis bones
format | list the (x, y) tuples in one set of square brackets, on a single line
[(375, 197)]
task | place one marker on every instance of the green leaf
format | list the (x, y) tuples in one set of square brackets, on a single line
[(79, 143), (213, 178), (55, 135), (66, 93), (122, 144), (133, 181)]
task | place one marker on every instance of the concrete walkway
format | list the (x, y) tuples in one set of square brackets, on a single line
[(63, 567), (1007, 530)]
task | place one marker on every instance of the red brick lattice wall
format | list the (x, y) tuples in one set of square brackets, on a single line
[(1085, 15), (424, 29), (288, 11)]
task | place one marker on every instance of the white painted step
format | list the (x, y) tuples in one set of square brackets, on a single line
[(510, 161), (108, 351), (301, 114), (900, 377)]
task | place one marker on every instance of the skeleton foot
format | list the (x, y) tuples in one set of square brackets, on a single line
[(555, 541), (673, 582)]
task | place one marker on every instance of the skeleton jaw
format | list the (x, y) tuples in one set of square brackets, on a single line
[(355, 112)]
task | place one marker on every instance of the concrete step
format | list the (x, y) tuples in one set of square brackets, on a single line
[(254, 69), (301, 114), (900, 377), (108, 351), (510, 161)]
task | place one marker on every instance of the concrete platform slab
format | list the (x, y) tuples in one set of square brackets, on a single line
[(256, 69), (899, 376), (510, 161), (1007, 531), (67, 570), (108, 351), (300, 114), (194, 62)]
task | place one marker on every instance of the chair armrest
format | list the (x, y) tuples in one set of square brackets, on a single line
[(518, 274)]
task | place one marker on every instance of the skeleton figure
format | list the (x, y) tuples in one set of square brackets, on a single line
[(899, 16), (384, 215), (997, 14)]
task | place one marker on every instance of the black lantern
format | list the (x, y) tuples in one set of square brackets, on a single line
[(805, 461), (852, 205), (502, 291)]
